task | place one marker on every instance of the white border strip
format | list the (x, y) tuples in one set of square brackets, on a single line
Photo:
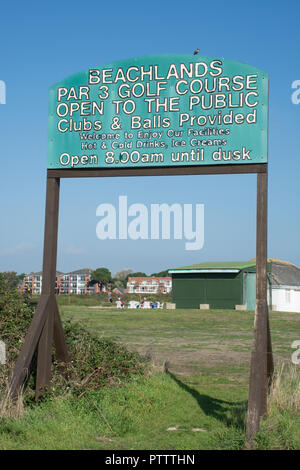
[(174, 271)]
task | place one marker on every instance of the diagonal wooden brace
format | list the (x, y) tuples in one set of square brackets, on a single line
[(21, 369)]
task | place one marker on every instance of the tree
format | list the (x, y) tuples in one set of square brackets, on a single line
[(138, 274), (120, 278), (122, 275), (118, 283), (12, 279), (101, 276), (161, 274)]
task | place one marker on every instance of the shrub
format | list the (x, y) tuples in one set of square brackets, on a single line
[(95, 361), (15, 317)]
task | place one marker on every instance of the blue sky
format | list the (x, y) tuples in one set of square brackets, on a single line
[(43, 42)]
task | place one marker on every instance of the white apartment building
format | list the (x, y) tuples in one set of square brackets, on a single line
[(75, 282), (149, 285), (34, 281)]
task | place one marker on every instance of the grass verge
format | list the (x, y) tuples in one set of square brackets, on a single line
[(107, 398)]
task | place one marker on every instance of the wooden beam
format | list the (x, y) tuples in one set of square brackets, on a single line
[(159, 171), (48, 285), (44, 359), (270, 359), (61, 351), (43, 318), (21, 369), (258, 387), (50, 236)]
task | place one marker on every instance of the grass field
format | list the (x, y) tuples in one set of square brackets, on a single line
[(195, 396), (191, 341)]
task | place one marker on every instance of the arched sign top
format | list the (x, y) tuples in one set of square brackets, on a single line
[(165, 110)]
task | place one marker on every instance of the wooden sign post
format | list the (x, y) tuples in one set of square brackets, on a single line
[(262, 366)]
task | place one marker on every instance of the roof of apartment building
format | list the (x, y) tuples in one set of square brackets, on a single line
[(119, 290), (40, 273), (59, 273), (82, 271)]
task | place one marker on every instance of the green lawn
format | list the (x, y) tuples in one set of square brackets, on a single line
[(191, 341), (199, 402), (137, 416)]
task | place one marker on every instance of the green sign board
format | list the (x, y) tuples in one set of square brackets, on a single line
[(169, 110)]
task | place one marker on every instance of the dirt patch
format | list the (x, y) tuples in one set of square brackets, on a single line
[(191, 360), (188, 361)]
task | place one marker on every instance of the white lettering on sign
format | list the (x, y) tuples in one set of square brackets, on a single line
[(192, 111)]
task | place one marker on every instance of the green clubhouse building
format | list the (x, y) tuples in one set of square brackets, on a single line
[(232, 285)]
